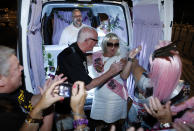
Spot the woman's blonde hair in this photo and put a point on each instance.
(107, 37)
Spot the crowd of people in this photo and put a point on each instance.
(161, 100)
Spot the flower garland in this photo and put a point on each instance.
(114, 23)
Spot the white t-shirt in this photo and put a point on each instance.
(69, 35)
(106, 104)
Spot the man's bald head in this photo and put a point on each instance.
(87, 39)
(86, 33)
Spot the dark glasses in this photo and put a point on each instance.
(109, 44)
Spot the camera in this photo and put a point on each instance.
(65, 90)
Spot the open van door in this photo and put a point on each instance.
(41, 24)
(29, 43)
(42, 21)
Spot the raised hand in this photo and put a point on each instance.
(134, 52)
(78, 97)
(50, 95)
(116, 67)
(159, 111)
(50, 81)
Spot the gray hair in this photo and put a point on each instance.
(107, 37)
(5, 54)
(85, 33)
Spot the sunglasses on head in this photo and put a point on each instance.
(109, 44)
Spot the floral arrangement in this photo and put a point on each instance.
(50, 63)
(114, 23)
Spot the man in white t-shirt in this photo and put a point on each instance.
(69, 34)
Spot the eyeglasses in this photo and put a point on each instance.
(93, 39)
(76, 16)
(109, 44)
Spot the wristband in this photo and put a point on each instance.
(79, 122)
(29, 119)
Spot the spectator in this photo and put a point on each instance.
(111, 95)
(15, 99)
(162, 81)
(164, 114)
(49, 97)
(69, 34)
(12, 116)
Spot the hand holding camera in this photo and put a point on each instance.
(78, 97)
(78, 94)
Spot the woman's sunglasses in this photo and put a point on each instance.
(109, 44)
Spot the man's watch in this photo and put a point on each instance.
(29, 119)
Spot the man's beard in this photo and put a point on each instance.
(77, 23)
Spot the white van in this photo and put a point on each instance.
(42, 21)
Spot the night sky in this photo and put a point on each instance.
(183, 14)
(11, 4)
(183, 10)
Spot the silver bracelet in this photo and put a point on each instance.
(83, 129)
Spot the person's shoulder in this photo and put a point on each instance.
(66, 52)
(83, 25)
(63, 52)
(67, 28)
(70, 26)
(97, 52)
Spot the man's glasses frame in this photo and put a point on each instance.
(93, 39)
